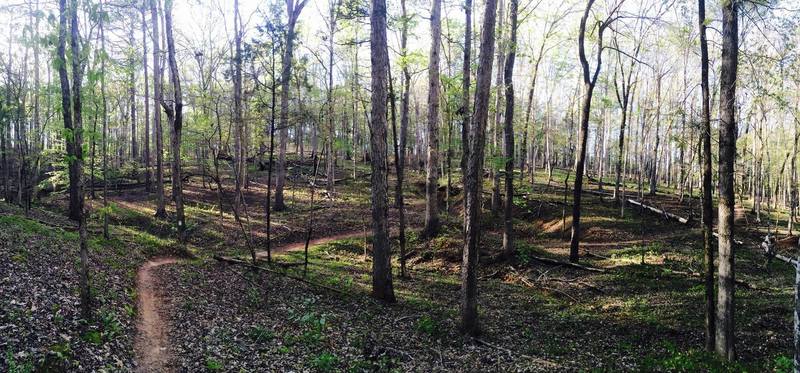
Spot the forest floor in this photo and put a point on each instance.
(639, 307)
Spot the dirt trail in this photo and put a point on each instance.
(152, 341)
(317, 241)
(152, 354)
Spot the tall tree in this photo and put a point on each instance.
(158, 96)
(400, 149)
(727, 157)
(623, 88)
(104, 99)
(146, 149)
(241, 153)
(708, 218)
(508, 130)
(330, 161)
(589, 81)
(293, 9)
(466, 71)
(174, 111)
(536, 61)
(474, 177)
(132, 90)
(382, 287)
(493, 172)
(431, 228)
(73, 124)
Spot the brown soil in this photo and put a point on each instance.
(152, 353)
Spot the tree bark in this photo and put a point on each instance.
(382, 287)
(707, 214)
(465, 87)
(494, 173)
(105, 126)
(508, 79)
(431, 228)
(474, 177)
(727, 157)
(146, 149)
(73, 125)
(400, 149)
(293, 11)
(158, 96)
(589, 80)
(240, 158)
(330, 161)
(175, 118)
(132, 95)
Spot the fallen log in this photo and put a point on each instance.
(300, 279)
(660, 211)
(786, 259)
(568, 264)
(738, 242)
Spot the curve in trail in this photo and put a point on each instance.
(152, 354)
(317, 241)
(152, 340)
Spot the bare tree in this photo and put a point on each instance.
(550, 30)
(623, 88)
(474, 177)
(589, 81)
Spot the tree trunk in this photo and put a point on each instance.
(240, 158)
(708, 223)
(293, 11)
(158, 96)
(431, 228)
(330, 161)
(465, 87)
(508, 79)
(493, 171)
(146, 150)
(727, 156)
(589, 81)
(73, 124)
(105, 126)
(132, 95)
(400, 149)
(382, 287)
(175, 118)
(474, 177)
(654, 162)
